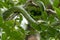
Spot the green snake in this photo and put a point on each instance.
(18, 9)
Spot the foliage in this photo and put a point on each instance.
(11, 30)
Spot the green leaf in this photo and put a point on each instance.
(4, 36)
(1, 19)
(52, 32)
(56, 3)
(22, 1)
(46, 2)
(8, 26)
(44, 35)
(16, 35)
(21, 18)
(51, 18)
(44, 15)
(44, 27)
(57, 12)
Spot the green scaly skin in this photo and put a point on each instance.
(17, 9)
